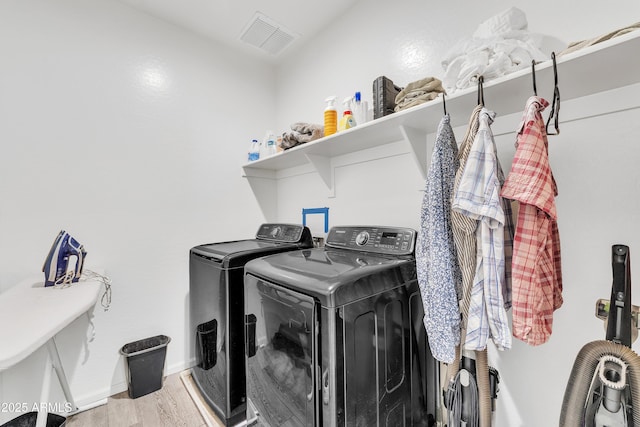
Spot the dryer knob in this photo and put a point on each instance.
(362, 238)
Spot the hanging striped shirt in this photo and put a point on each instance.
(478, 197)
(464, 228)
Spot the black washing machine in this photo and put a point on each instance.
(334, 336)
(216, 312)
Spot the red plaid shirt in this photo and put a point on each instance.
(536, 270)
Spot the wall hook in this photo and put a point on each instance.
(480, 90)
(533, 76)
(555, 105)
(444, 103)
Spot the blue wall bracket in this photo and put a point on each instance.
(315, 211)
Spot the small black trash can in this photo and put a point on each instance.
(145, 362)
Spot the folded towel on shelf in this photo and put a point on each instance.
(585, 43)
(499, 46)
(301, 133)
(418, 92)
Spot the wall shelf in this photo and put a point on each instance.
(605, 66)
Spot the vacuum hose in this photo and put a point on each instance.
(584, 368)
(484, 390)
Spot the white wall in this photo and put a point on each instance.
(593, 161)
(128, 133)
(140, 170)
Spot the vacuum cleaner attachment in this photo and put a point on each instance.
(471, 395)
(604, 385)
(64, 263)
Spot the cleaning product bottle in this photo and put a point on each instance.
(330, 116)
(359, 109)
(347, 121)
(254, 150)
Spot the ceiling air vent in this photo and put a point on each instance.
(267, 35)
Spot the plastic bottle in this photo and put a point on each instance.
(254, 150)
(359, 109)
(347, 121)
(330, 116)
(268, 146)
(271, 144)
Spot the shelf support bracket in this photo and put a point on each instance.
(322, 165)
(265, 189)
(417, 141)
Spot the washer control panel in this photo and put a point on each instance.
(280, 232)
(382, 240)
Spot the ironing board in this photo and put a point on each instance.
(31, 316)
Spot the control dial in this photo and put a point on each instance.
(275, 232)
(362, 238)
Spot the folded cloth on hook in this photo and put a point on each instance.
(301, 133)
(499, 46)
(418, 92)
(585, 43)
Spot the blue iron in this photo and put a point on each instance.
(64, 262)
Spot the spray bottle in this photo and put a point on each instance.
(347, 121)
(330, 116)
(359, 109)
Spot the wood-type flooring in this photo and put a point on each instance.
(172, 405)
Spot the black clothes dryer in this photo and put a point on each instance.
(216, 311)
(334, 336)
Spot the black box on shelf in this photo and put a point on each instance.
(384, 96)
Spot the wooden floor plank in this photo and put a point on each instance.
(121, 411)
(96, 417)
(207, 413)
(184, 405)
(170, 406)
(147, 407)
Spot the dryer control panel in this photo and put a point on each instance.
(289, 233)
(382, 240)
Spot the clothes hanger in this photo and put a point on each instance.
(555, 105)
(533, 76)
(480, 91)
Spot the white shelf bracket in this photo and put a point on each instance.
(265, 189)
(417, 141)
(322, 165)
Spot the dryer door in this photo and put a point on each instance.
(280, 353)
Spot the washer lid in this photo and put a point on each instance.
(335, 277)
(223, 249)
(237, 253)
(270, 238)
